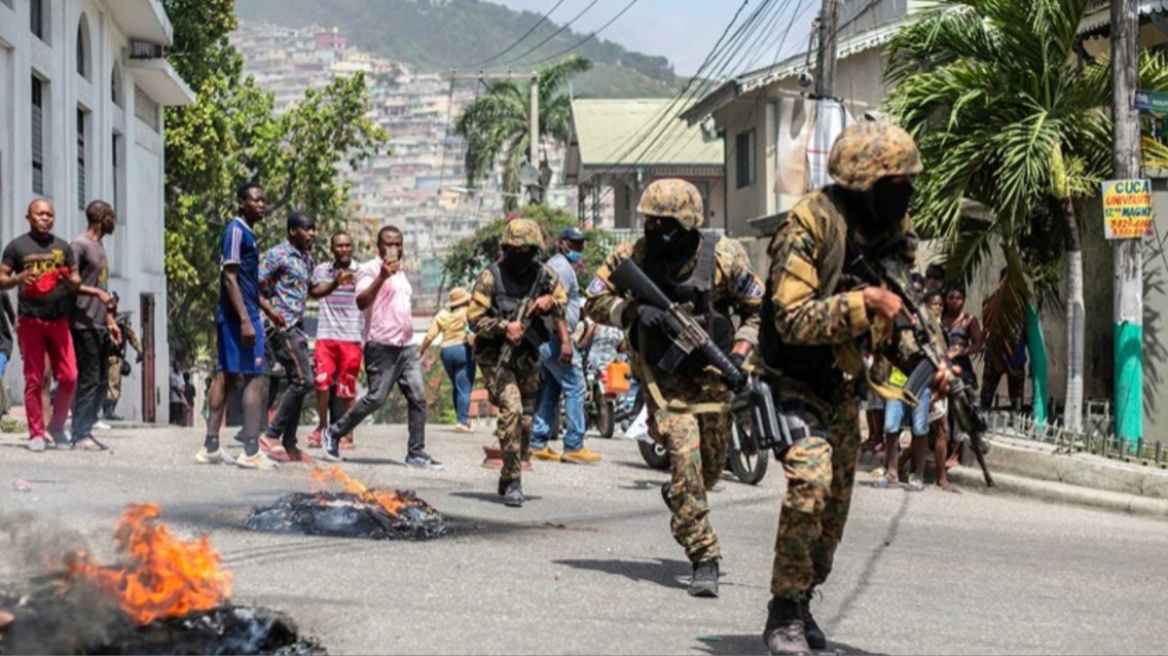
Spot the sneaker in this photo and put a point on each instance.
(463, 428)
(314, 439)
(205, 457)
(258, 461)
(546, 453)
(583, 456)
(60, 439)
(424, 461)
(37, 444)
(513, 497)
(916, 483)
(705, 579)
(101, 425)
(331, 446)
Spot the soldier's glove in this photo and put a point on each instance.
(655, 320)
(139, 360)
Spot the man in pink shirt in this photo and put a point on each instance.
(383, 293)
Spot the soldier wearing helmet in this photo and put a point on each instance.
(687, 401)
(499, 294)
(820, 307)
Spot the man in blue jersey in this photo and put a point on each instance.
(240, 335)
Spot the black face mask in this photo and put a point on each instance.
(888, 202)
(519, 263)
(669, 241)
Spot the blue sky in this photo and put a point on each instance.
(684, 31)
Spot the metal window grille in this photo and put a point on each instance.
(38, 138)
(81, 191)
(744, 158)
(145, 108)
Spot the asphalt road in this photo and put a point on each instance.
(588, 565)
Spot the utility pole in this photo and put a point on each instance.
(532, 116)
(1129, 264)
(825, 64)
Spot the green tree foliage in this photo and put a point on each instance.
(441, 35)
(467, 259)
(1010, 112)
(231, 135)
(497, 123)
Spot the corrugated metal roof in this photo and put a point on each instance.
(1101, 16)
(641, 132)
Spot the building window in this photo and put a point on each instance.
(38, 19)
(145, 108)
(745, 158)
(82, 148)
(116, 94)
(38, 137)
(83, 47)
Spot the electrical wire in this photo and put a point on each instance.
(553, 35)
(588, 38)
(533, 28)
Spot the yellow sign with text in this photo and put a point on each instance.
(1127, 209)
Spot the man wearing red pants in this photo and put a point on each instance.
(44, 269)
(338, 334)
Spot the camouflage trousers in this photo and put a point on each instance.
(697, 456)
(820, 471)
(514, 390)
(114, 389)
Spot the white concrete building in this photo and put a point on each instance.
(82, 87)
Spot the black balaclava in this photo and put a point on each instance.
(881, 208)
(519, 263)
(670, 242)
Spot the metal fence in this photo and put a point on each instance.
(1097, 437)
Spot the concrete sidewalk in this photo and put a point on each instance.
(1035, 470)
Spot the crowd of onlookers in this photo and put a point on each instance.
(72, 338)
(930, 424)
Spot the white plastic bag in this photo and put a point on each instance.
(639, 429)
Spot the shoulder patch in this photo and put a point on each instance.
(596, 287)
(748, 285)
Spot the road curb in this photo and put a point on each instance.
(969, 479)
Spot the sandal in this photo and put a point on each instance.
(88, 443)
(274, 451)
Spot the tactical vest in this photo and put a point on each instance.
(696, 291)
(509, 296)
(819, 369)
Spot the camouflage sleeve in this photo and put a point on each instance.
(745, 290)
(604, 305)
(477, 315)
(801, 317)
(132, 337)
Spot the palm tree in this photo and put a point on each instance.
(1010, 112)
(496, 123)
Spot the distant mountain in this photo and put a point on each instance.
(438, 35)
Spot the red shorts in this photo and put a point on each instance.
(340, 361)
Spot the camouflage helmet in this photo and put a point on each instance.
(674, 198)
(870, 150)
(522, 232)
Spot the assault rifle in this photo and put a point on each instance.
(524, 318)
(960, 397)
(768, 429)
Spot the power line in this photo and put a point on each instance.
(553, 35)
(587, 38)
(541, 21)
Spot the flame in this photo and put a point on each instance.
(164, 576)
(388, 501)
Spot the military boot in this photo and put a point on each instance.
(784, 633)
(815, 636)
(705, 579)
(514, 496)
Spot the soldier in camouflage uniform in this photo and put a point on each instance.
(688, 407)
(821, 309)
(117, 362)
(514, 386)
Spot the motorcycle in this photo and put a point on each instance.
(743, 458)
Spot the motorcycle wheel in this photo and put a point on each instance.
(750, 468)
(605, 416)
(654, 454)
